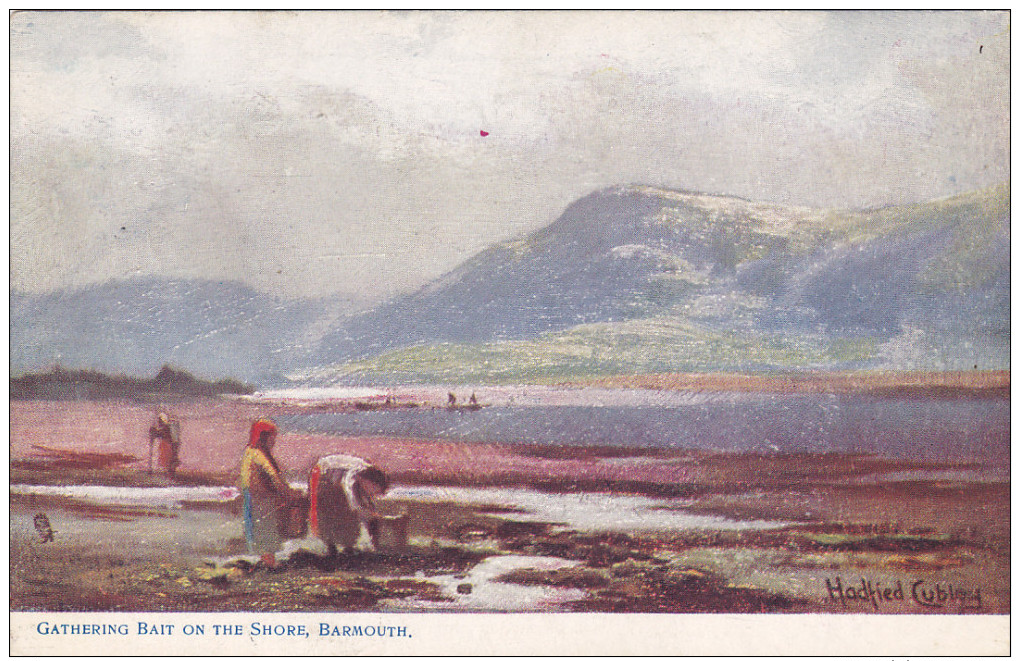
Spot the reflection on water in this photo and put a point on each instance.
(587, 512)
(168, 497)
(486, 593)
(578, 511)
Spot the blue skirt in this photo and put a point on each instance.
(261, 522)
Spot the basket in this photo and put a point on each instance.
(293, 522)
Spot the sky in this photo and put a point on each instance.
(364, 154)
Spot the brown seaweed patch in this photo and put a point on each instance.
(516, 529)
(750, 469)
(635, 487)
(439, 560)
(87, 510)
(565, 577)
(648, 587)
(595, 550)
(402, 588)
(883, 542)
(47, 458)
(927, 561)
(477, 530)
(589, 452)
(471, 532)
(499, 509)
(45, 473)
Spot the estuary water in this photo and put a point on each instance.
(928, 428)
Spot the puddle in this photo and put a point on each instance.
(592, 512)
(586, 512)
(488, 594)
(167, 497)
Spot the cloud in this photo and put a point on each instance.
(312, 153)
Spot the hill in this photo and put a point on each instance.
(133, 326)
(644, 280)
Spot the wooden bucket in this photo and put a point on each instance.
(392, 533)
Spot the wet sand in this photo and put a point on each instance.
(502, 528)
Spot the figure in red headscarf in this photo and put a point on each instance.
(267, 497)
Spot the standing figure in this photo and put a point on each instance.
(168, 431)
(342, 489)
(267, 497)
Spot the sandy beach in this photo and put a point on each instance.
(498, 527)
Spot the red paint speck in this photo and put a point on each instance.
(483, 133)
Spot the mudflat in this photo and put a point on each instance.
(497, 527)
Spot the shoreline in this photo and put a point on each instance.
(995, 383)
(548, 476)
(990, 382)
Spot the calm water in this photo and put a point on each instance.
(967, 428)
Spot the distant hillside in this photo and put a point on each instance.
(211, 328)
(63, 384)
(642, 280)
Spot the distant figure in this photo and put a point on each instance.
(342, 489)
(168, 431)
(451, 399)
(267, 497)
(473, 401)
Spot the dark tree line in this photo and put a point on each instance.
(60, 383)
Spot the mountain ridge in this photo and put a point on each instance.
(800, 287)
(629, 279)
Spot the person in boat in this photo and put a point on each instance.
(342, 489)
(267, 497)
(473, 401)
(167, 430)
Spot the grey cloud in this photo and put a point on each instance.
(304, 176)
(62, 40)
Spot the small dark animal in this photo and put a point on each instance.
(42, 526)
